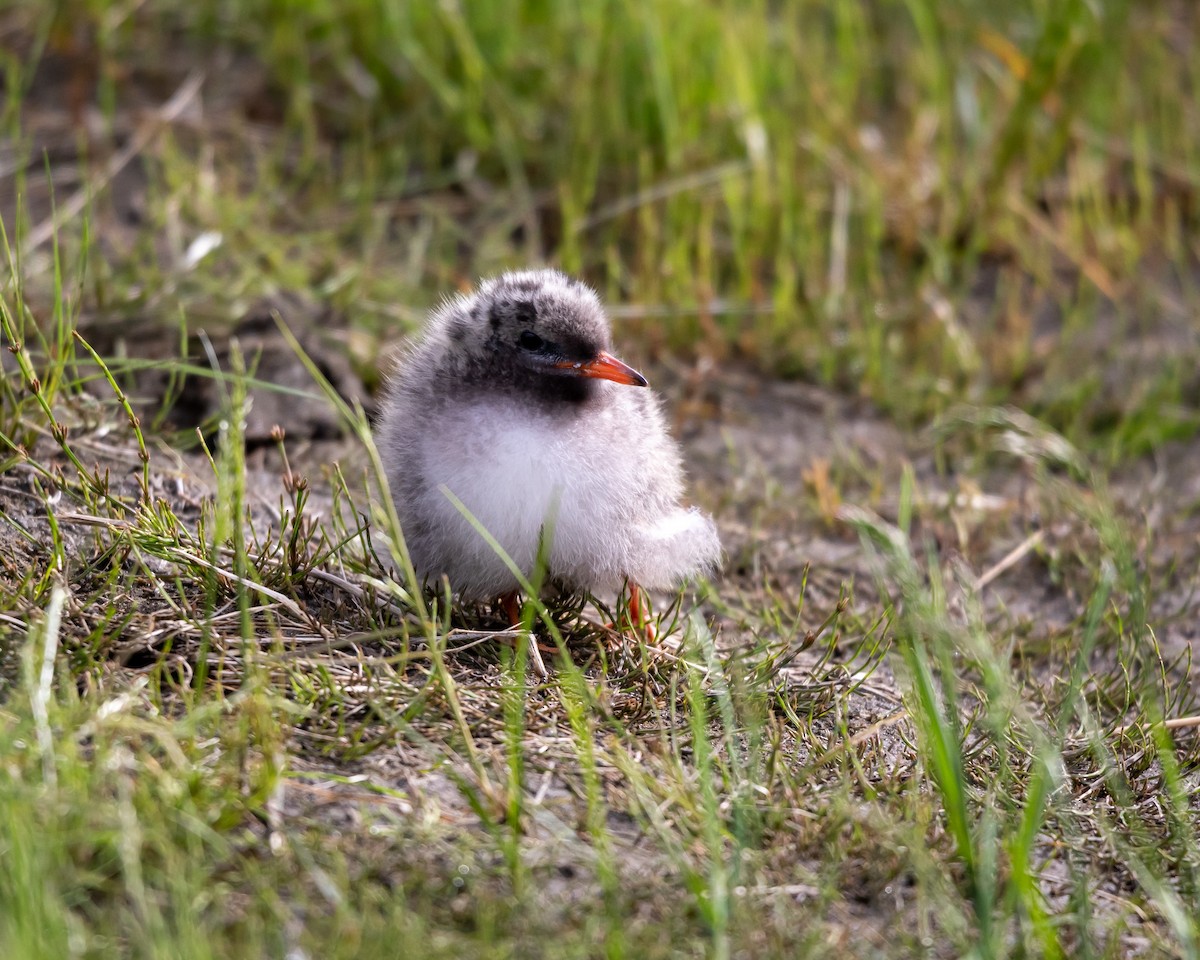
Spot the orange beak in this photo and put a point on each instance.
(604, 367)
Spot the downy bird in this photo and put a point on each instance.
(512, 403)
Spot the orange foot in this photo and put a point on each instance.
(639, 615)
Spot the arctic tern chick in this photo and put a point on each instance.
(512, 402)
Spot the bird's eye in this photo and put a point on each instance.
(530, 341)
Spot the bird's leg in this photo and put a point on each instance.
(511, 606)
(639, 618)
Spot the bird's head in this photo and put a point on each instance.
(535, 330)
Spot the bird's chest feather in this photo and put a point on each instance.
(517, 472)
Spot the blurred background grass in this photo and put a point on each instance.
(922, 202)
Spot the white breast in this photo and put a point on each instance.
(605, 499)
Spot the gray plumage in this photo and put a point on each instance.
(511, 401)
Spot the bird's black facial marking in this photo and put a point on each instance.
(525, 312)
(556, 392)
(494, 317)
